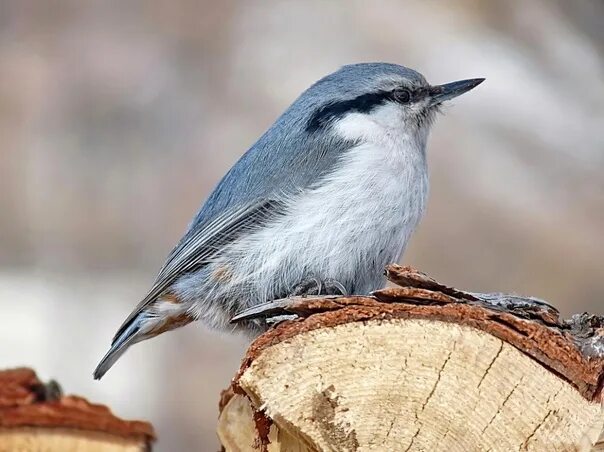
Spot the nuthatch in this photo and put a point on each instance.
(328, 196)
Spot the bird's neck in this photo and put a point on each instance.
(395, 143)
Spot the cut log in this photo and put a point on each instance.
(37, 417)
(419, 367)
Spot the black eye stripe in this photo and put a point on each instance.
(364, 103)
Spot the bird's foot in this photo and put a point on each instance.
(289, 308)
(315, 286)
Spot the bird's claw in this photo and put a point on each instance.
(288, 308)
(334, 287)
(316, 286)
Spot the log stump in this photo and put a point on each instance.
(37, 417)
(419, 367)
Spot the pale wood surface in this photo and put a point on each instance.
(65, 440)
(237, 430)
(419, 368)
(416, 385)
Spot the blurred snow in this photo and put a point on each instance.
(63, 324)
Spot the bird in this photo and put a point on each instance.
(326, 198)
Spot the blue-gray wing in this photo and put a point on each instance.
(199, 245)
(287, 159)
(284, 162)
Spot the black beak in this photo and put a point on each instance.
(441, 93)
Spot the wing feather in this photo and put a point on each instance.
(199, 246)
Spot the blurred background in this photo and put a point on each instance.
(118, 118)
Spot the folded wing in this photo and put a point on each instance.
(199, 246)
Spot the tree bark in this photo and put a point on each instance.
(419, 367)
(36, 417)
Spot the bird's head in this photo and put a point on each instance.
(389, 96)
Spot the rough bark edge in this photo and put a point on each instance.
(573, 349)
(26, 402)
(262, 422)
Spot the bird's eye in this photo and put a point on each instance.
(402, 95)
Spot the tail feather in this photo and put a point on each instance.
(119, 345)
(164, 315)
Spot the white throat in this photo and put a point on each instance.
(363, 213)
(387, 127)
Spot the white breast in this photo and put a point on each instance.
(358, 220)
